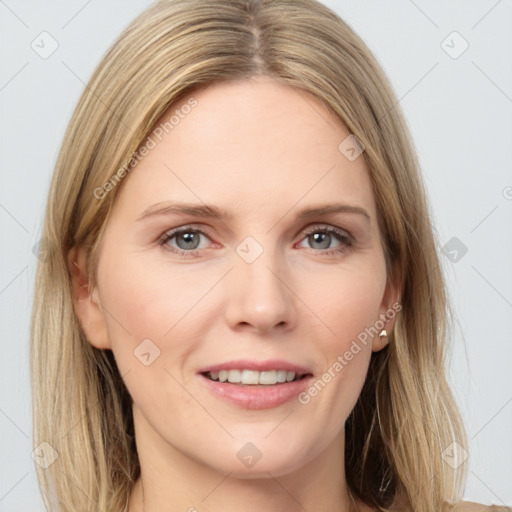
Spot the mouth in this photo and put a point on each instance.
(248, 384)
(246, 377)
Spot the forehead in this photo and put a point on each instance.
(248, 144)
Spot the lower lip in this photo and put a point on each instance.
(257, 396)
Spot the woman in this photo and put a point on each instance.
(243, 307)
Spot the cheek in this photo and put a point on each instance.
(357, 307)
(144, 300)
(347, 300)
(155, 315)
(145, 309)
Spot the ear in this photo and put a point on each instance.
(389, 309)
(86, 301)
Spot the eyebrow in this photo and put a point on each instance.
(209, 211)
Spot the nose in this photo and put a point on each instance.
(260, 296)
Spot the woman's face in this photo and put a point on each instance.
(254, 284)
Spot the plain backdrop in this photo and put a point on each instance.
(458, 105)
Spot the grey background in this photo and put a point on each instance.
(458, 109)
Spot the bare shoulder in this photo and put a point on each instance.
(467, 506)
(461, 506)
(470, 506)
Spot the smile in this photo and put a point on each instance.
(253, 377)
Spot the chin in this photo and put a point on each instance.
(263, 470)
(260, 459)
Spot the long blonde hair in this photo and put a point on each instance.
(406, 416)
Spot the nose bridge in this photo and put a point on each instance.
(259, 295)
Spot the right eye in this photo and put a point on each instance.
(186, 240)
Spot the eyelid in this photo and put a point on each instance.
(304, 230)
(343, 234)
(319, 226)
(200, 228)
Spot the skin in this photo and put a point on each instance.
(262, 151)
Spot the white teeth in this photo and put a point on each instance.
(281, 376)
(253, 377)
(234, 376)
(249, 376)
(269, 377)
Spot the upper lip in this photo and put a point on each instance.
(261, 366)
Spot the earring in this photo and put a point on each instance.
(383, 333)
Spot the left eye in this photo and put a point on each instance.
(186, 241)
(324, 236)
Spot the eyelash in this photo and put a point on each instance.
(343, 237)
